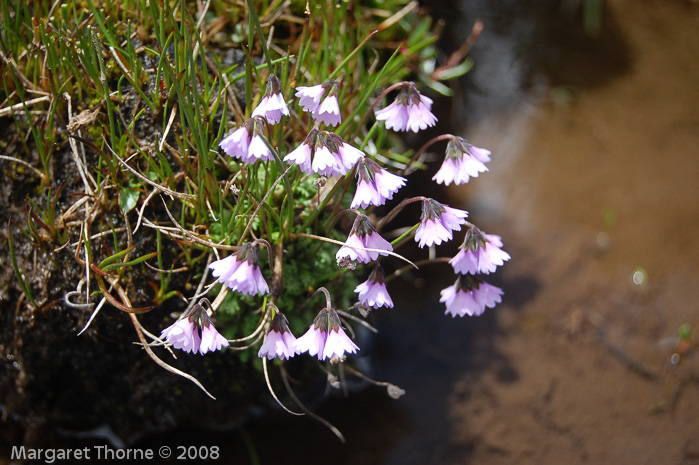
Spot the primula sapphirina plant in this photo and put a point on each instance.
(293, 177)
(331, 164)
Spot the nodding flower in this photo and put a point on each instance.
(247, 142)
(410, 111)
(373, 292)
(279, 341)
(272, 106)
(375, 185)
(480, 253)
(437, 223)
(324, 153)
(241, 271)
(184, 333)
(325, 338)
(362, 236)
(327, 111)
(462, 162)
(470, 296)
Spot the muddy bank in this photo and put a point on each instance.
(595, 193)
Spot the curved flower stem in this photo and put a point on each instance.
(393, 390)
(328, 301)
(319, 419)
(378, 99)
(271, 391)
(397, 210)
(257, 331)
(427, 144)
(340, 213)
(357, 320)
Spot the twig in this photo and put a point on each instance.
(194, 237)
(269, 386)
(333, 241)
(19, 106)
(36, 171)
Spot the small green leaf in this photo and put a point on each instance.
(135, 261)
(439, 87)
(128, 198)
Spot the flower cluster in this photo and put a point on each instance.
(325, 338)
(326, 154)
